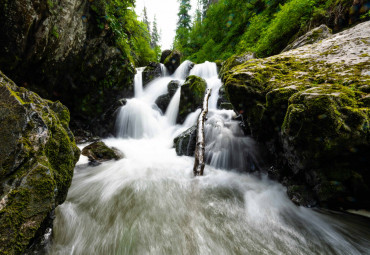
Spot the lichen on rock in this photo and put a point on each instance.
(37, 157)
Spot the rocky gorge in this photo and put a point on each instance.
(301, 117)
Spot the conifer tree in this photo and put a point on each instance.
(183, 25)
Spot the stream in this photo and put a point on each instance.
(150, 203)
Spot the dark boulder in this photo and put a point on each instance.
(164, 55)
(192, 95)
(164, 100)
(37, 157)
(151, 72)
(172, 61)
(99, 152)
(185, 143)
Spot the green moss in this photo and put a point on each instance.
(54, 32)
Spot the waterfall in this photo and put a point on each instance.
(138, 81)
(173, 108)
(150, 203)
(183, 70)
(164, 70)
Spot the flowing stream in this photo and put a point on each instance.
(150, 203)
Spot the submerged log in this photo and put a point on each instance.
(200, 146)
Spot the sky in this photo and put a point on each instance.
(166, 13)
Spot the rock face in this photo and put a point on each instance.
(315, 35)
(309, 107)
(99, 152)
(151, 72)
(172, 61)
(191, 98)
(186, 142)
(37, 158)
(77, 59)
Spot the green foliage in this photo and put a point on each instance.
(261, 26)
(131, 36)
(286, 23)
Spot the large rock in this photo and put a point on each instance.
(172, 61)
(192, 95)
(37, 158)
(313, 36)
(151, 72)
(71, 44)
(308, 106)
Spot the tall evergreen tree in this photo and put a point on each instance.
(183, 25)
(145, 19)
(155, 38)
(155, 34)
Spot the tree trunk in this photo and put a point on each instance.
(200, 146)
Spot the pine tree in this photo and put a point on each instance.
(155, 34)
(183, 25)
(146, 20)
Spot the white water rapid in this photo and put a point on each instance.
(150, 203)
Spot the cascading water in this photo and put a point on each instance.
(150, 203)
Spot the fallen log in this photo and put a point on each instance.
(200, 145)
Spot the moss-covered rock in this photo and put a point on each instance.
(77, 57)
(192, 95)
(100, 152)
(309, 108)
(151, 72)
(172, 61)
(37, 158)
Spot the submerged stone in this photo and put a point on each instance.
(100, 152)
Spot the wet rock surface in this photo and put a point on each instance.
(191, 98)
(151, 72)
(99, 152)
(185, 143)
(37, 157)
(308, 107)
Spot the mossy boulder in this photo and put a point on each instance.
(164, 55)
(37, 157)
(151, 72)
(235, 60)
(99, 152)
(192, 95)
(185, 143)
(308, 107)
(172, 61)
